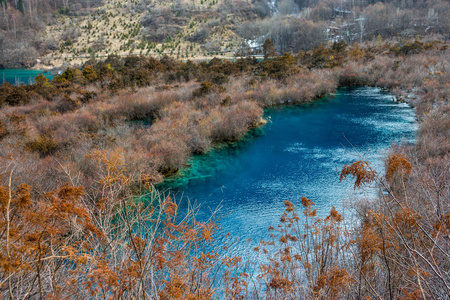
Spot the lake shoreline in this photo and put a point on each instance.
(264, 121)
(22, 76)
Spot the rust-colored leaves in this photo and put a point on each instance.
(359, 170)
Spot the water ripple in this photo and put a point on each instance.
(299, 153)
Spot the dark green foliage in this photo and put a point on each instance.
(339, 46)
(20, 6)
(188, 70)
(87, 96)
(14, 95)
(45, 145)
(133, 62)
(89, 73)
(408, 48)
(277, 67)
(68, 75)
(205, 88)
(246, 64)
(41, 80)
(217, 70)
(269, 49)
(325, 57)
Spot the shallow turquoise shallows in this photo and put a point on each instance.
(19, 76)
(300, 152)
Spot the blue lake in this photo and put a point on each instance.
(299, 152)
(19, 76)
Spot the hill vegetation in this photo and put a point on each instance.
(63, 33)
(78, 151)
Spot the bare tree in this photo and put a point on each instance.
(287, 7)
(362, 26)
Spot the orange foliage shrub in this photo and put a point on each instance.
(361, 171)
(398, 164)
(35, 243)
(73, 240)
(305, 257)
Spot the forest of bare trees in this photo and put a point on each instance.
(292, 25)
(22, 23)
(302, 25)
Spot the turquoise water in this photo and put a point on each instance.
(19, 76)
(300, 152)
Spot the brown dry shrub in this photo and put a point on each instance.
(434, 133)
(230, 124)
(353, 75)
(169, 153)
(265, 92)
(185, 122)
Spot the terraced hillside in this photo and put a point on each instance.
(60, 33)
(184, 29)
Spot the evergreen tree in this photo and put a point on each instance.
(20, 6)
(269, 49)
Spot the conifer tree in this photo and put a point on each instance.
(20, 6)
(269, 49)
